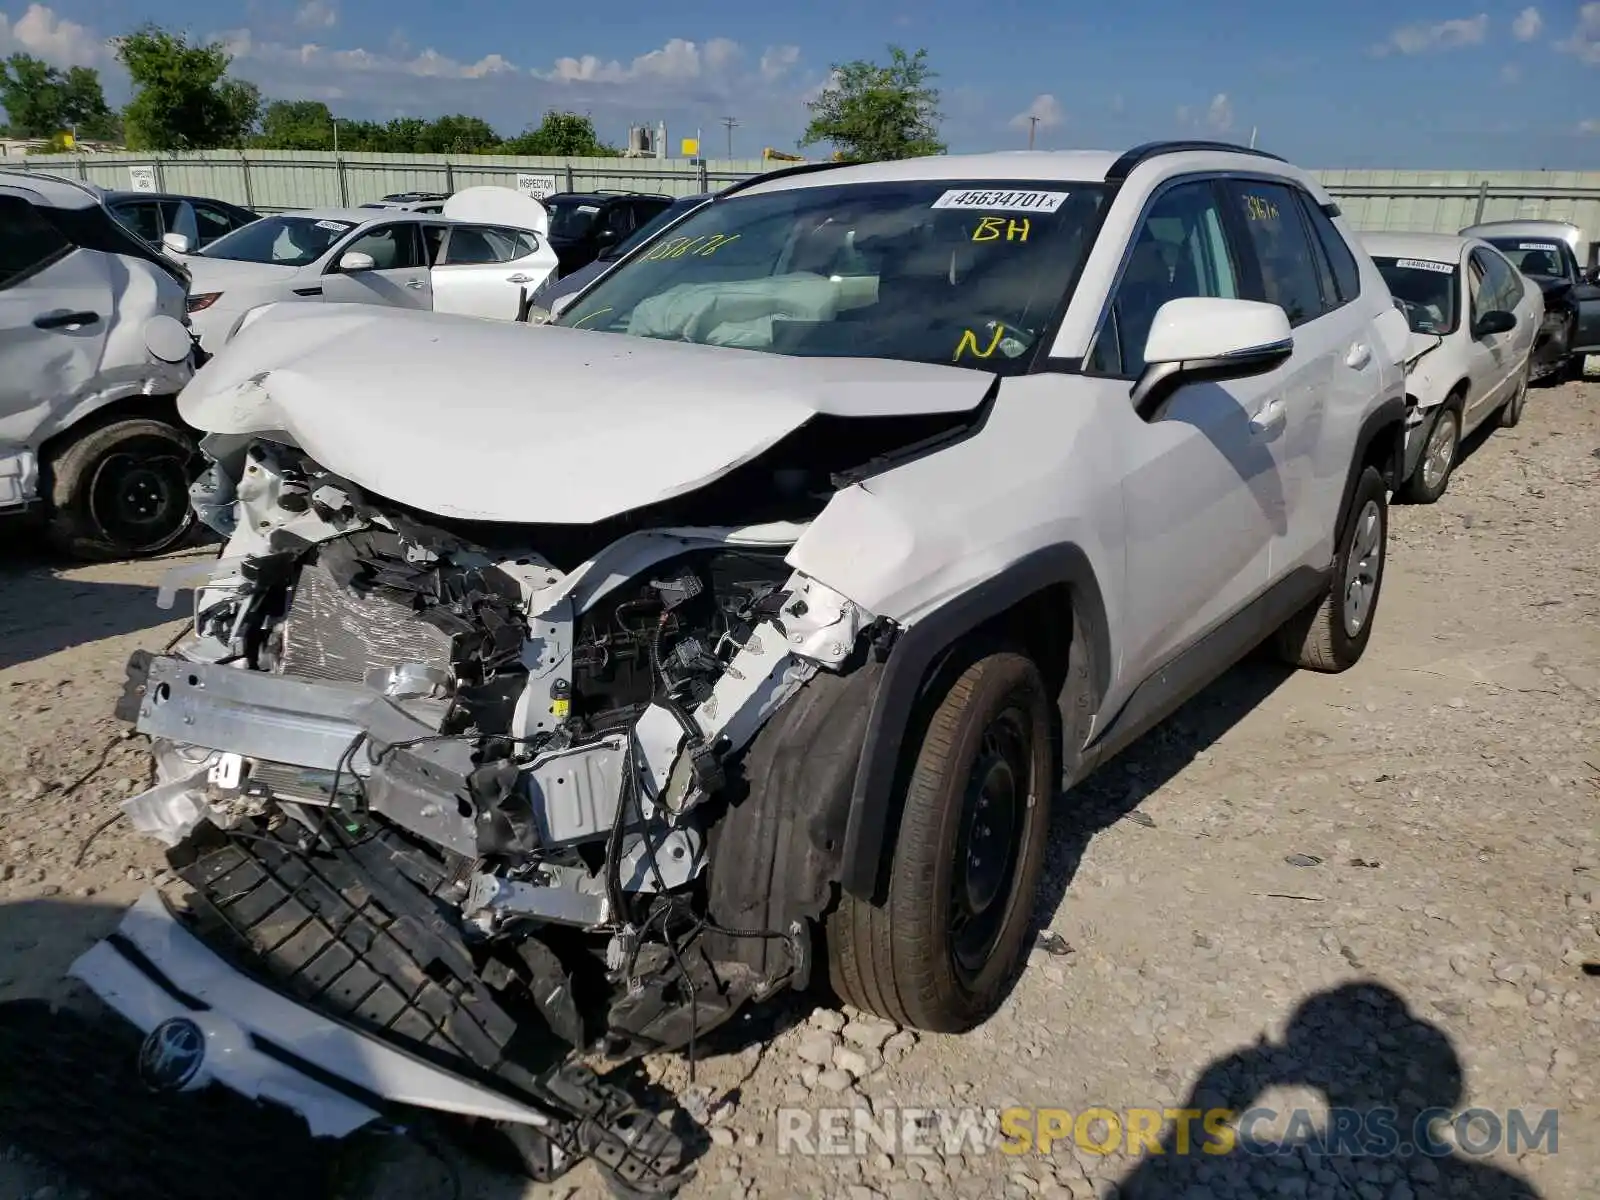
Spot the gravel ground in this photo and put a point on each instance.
(1374, 889)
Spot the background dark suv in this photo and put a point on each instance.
(582, 224)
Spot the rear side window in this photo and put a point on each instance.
(28, 243)
(1270, 216)
(1346, 274)
(479, 244)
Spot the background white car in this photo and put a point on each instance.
(1473, 320)
(93, 351)
(473, 259)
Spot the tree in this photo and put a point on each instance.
(41, 102)
(297, 125)
(182, 97)
(869, 112)
(459, 134)
(562, 133)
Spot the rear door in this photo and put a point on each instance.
(55, 311)
(483, 270)
(399, 276)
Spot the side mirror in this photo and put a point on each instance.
(178, 243)
(355, 260)
(561, 303)
(1495, 321)
(1199, 339)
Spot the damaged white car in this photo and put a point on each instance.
(567, 688)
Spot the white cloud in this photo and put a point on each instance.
(58, 41)
(1527, 25)
(778, 61)
(1217, 117)
(1045, 108)
(317, 14)
(1592, 125)
(1420, 38)
(1584, 41)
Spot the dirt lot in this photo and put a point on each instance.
(1376, 889)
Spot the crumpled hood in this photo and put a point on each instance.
(493, 420)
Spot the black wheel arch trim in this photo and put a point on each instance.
(912, 663)
(1388, 419)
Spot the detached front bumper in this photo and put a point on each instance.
(257, 1042)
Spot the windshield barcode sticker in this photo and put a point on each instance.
(1545, 246)
(336, 226)
(1005, 201)
(1422, 264)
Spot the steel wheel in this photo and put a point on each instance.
(992, 819)
(1362, 568)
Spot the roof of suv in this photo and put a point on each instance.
(1055, 166)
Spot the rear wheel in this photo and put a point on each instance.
(1511, 411)
(943, 949)
(122, 490)
(1332, 632)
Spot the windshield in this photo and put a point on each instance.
(286, 241)
(921, 271)
(1532, 256)
(652, 227)
(570, 219)
(1426, 290)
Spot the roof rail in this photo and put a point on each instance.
(1124, 166)
(781, 173)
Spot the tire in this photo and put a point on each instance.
(1319, 638)
(1439, 454)
(987, 742)
(122, 490)
(1510, 413)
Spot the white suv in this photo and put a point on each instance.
(743, 624)
(94, 348)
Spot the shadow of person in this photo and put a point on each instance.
(1392, 1083)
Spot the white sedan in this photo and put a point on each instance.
(1473, 319)
(474, 259)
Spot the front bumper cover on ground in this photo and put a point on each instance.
(262, 1044)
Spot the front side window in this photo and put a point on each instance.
(1480, 296)
(285, 241)
(1180, 251)
(917, 270)
(392, 247)
(1426, 289)
(571, 219)
(28, 243)
(1270, 216)
(1533, 256)
(1503, 279)
(213, 223)
(144, 218)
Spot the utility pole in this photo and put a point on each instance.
(335, 134)
(732, 125)
(1033, 123)
(1252, 137)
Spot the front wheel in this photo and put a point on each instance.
(947, 943)
(1432, 475)
(122, 490)
(1331, 633)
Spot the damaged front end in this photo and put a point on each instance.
(463, 798)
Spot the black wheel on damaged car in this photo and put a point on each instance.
(1440, 450)
(1331, 633)
(944, 947)
(122, 490)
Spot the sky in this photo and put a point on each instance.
(1359, 83)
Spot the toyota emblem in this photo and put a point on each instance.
(171, 1055)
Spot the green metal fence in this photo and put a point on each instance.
(273, 180)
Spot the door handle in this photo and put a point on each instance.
(1360, 355)
(1268, 417)
(413, 283)
(64, 320)
(519, 277)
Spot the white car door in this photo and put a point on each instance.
(483, 269)
(399, 274)
(55, 311)
(1489, 356)
(1202, 492)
